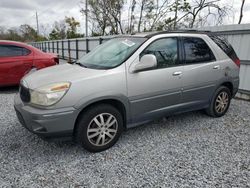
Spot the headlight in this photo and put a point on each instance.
(50, 94)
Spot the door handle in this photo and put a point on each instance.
(216, 67)
(178, 73)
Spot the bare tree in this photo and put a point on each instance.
(179, 6)
(142, 5)
(107, 14)
(207, 8)
(156, 10)
(153, 14)
(98, 15)
(114, 8)
(241, 11)
(132, 16)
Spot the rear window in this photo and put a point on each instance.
(225, 46)
(13, 51)
(197, 51)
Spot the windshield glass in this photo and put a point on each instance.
(111, 54)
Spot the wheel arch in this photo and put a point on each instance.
(229, 85)
(118, 104)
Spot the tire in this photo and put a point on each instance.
(99, 127)
(216, 108)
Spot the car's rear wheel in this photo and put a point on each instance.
(220, 102)
(99, 127)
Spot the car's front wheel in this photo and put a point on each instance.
(220, 102)
(99, 127)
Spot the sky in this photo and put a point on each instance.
(13, 13)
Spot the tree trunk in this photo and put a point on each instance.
(176, 13)
(241, 11)
(140, 18)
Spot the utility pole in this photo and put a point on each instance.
(86, 16)
(37, 24)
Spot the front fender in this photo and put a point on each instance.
(97, 97)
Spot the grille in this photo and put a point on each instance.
(24, 94)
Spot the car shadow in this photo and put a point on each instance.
(129, 135)
(9, 89)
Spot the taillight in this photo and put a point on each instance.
(237, 62)
(235, 58)
(56, 60)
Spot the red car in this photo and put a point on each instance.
(18, 59)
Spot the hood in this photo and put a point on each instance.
(60, 73)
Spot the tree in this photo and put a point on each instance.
(132, 17)
(155, 11)
(179, 6)
(11, 34)
(97, 15)
(58, 31)
(2, 30)
(72, 28)
(66, 28)
(115, 7)
(153, 15)
(142, 5)
(107, 14)
(241, 11)
(200, 10)
(28, 33)
(24, 33)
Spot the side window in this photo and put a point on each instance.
(225, 46)
(26, 51)
(165, 50)
(197, 51)
(13, 51)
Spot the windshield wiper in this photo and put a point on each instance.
(77, 63)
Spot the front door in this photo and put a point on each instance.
(154, 92)
(15, 62)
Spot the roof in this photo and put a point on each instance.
(155, 33)
(20, 44)
(12, 42)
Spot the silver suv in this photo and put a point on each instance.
(128, 81)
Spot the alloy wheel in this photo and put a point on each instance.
(221, 102)
(102, 129)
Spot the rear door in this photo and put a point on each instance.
(201, 72)
(15, 62)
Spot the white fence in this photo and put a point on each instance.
(71, 48)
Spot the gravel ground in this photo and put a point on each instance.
(188, 150)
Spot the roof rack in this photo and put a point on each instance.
(180, 31)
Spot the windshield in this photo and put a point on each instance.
(111, 54)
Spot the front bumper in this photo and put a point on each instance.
(46, 122)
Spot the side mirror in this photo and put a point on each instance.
(147, 61)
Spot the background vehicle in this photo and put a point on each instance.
(18, 59)
(128, 81)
